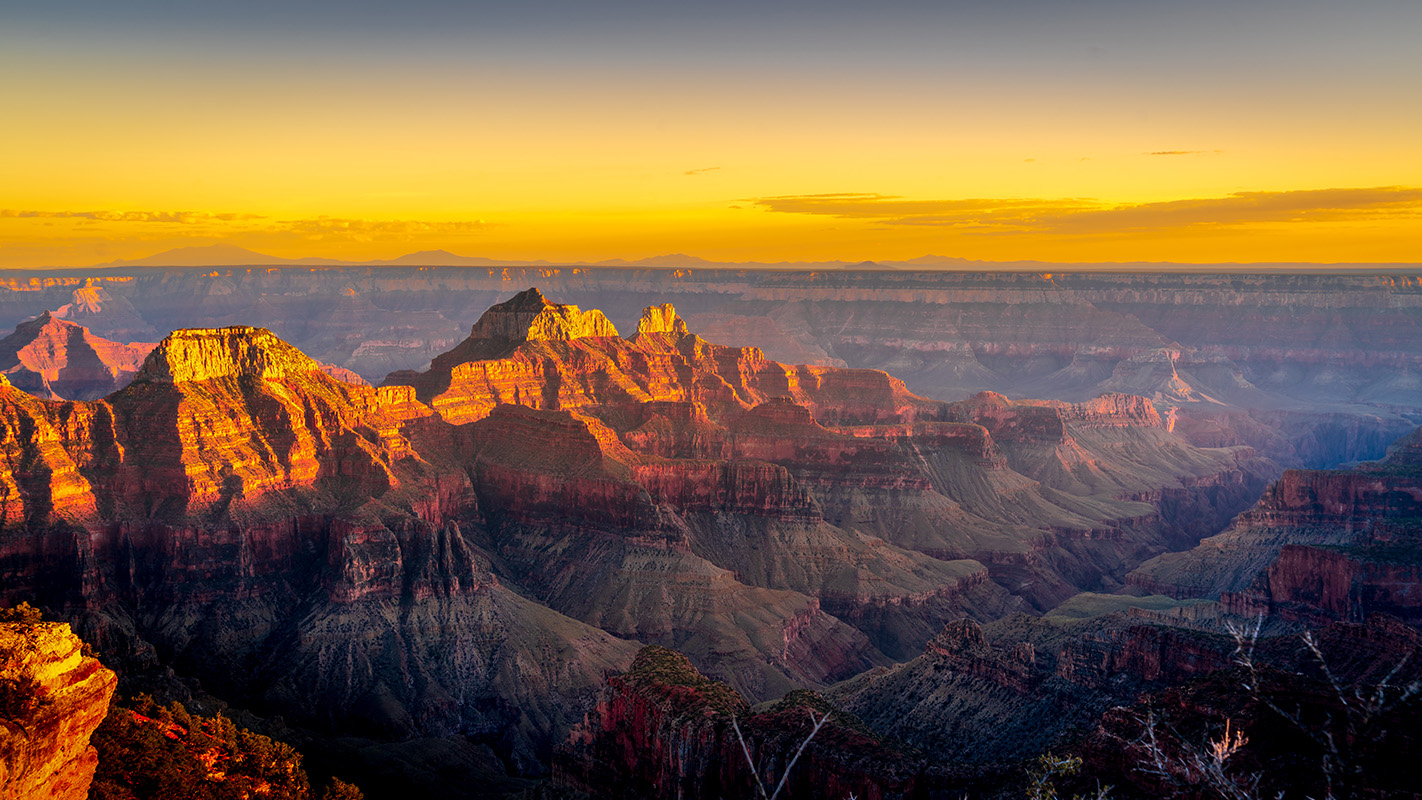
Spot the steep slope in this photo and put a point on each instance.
(829, 482)
(1016, 687)
(112, 314)
(53, 695)
(662, 729)
(56, 359)
(1334, 544)
(238, 514)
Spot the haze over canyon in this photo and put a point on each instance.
(547, 531)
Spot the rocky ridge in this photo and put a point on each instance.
(1320, 545)
(53, 695)
(53, 358)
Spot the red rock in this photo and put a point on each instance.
(53, 358)
(664, 730)
(45, 752)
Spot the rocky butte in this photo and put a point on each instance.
(56, 359)
(466, 551)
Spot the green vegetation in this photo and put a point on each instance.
(1091, 604)
(804, 698)
(24, 613)
(153, 752)
(656, 664)
(19, 694)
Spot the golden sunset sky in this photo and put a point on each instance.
(1207, 131)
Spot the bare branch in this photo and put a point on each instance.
(819, 723)
(760, 786)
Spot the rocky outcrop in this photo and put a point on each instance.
(53, 695)
(664, 730)
(464, 550)
(53, 358)
(202, 354)
(529, 316)
(1334, 544)
(1315, 585)
(661, 320)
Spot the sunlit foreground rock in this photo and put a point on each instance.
(52, 697)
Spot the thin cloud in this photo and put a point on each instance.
(883, 206)
(972, 213)
(370, 229)
(1084, 216)
(701, 171)
(1182, 152)
(1245, 208)
(204, 224)
(171, 217)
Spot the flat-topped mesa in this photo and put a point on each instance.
(198, 354)
(1114, 409)
(661, 319)
(529, 316)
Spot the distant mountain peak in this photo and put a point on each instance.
(670, 260)
(213, 255)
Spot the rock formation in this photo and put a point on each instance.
(664, 730)
(529, 316)
(1318, 546)
(467, 549)
(53, 358)
(52, 697)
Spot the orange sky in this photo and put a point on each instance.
(1119, 137)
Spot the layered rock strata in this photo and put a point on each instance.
(54, 358)
(423, 558)
(52, 697)
(1318, 546)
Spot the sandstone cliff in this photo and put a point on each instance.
(1319, 545)
(52, 698)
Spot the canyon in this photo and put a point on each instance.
(467, 551)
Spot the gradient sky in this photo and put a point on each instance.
(1105, 130)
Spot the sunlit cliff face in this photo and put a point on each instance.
(1093, 131)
